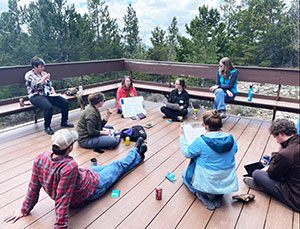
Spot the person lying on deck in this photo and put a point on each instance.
(211, 172)
(281, 179)
(69, 186)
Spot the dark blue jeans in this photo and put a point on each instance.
(47, 104)
(108, 174)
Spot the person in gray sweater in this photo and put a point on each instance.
(92, 129)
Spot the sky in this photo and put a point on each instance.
(150, 13)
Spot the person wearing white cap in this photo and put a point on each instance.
(69, 186)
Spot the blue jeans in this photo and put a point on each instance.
(101, 142)
(108, 174)
(220, 98)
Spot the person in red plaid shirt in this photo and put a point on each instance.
(69, 186)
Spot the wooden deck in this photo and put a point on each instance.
(137, 207)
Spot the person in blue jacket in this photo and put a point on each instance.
(226, 85)
(298, 126)
(211, 171)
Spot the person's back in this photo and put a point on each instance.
(211, 172)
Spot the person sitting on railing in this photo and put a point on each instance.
(126, 90)
(93, 133)
(42, 95)
(211, 172)
(178, 96)
(226, 85)
(69, 186)
(281, 178)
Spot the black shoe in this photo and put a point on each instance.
(139, 142)
(67, 124)
(165, 117)
(49, 131)
(222, 114)
(98, 150)
(143, 150)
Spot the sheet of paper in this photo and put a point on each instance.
(131, 106)
(192, 130)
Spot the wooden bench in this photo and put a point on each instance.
(12, 106)
(261, 101)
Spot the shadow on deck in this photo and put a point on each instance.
(137, 207)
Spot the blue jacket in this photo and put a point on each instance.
(230, 83)
(212, 166)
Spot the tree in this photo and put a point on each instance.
(172, 39)
(131, 33)
(15, 46)
(203, 30)
(159, 50)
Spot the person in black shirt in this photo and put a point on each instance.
(178, 96)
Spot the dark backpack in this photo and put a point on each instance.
(134, 133)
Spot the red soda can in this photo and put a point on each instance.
(21, 102)
(158, 193)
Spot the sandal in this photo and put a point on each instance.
(244, 197)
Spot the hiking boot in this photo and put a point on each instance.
(250, 182)
(49, 131)
(142, 151)
(206, 201)
(222, 114)
(67, 124)
(139, 142)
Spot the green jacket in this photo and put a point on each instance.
(89, 124)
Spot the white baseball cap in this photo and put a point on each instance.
(64, 138)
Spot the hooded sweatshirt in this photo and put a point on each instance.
(212, 166)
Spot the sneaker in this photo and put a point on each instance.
(67, 124)
(180, 118)
(217, 200)
(165, 117)
(49, 131)
(249, 181)
(222, 114)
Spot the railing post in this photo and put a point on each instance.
(169, 79)
(116, 76)
(82, 81)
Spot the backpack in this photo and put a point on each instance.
(134, 133)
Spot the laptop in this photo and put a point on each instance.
(173, 106)
(250, 168)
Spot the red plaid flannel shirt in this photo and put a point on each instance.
(63, 181)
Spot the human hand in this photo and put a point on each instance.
(108, 111)
(131, 94)
(181, 107)
(47, 76)
(105, 132)
(213, 88)
(181, 129)
(14, 216)
(229, 93)
(265, 168)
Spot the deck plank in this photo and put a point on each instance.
(137, 207)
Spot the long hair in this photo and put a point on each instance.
(123, 81)
(182, 82)
(228, 67)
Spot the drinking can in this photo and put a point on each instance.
(158, 193)
(127, 141)
(94, 161)
(21, 102)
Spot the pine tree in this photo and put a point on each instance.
(172, 39)
(131, 37)
(159, 50)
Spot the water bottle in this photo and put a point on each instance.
(195, 111)
(80, 89)
(250, 93)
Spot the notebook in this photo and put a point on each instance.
(192, 131)
(250, 168)
(173, 106)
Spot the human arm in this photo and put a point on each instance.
(94, 124)
(279, 166)
(14, 216)
(231, 83)
(190, 151)
(120, 94)
(65, 187)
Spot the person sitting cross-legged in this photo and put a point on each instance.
(281, 178)
(67, 184)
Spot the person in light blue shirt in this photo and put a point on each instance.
(226, 85)
(211, 171)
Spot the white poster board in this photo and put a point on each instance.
(131, 106)
(192, 131)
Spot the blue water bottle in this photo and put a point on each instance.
(250, 93)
